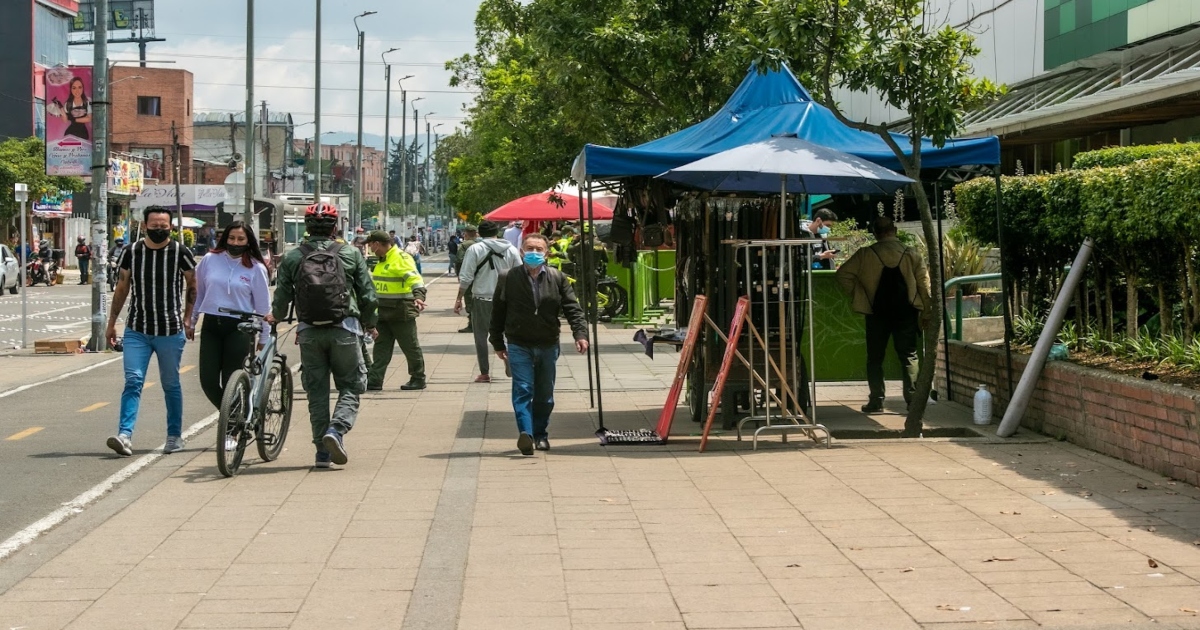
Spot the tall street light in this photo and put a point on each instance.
(425, 176)
(356, 209)
(317, 112)
(248, 211)
(416, 152)
(387, 133)
(21, 195)
(437, 181)
(403, 147)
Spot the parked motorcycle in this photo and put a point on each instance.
(36, 273)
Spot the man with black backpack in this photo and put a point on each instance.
(481, 268)
(330, 285)
(889, 284)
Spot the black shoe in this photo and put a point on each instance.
(542, 444)
(375, 388)
(413, 385)
(525, 444)
(465, 330)
(872, 408)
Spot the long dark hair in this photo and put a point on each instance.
(252, 251)
(82, 90)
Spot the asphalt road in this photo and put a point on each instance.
(52, 436)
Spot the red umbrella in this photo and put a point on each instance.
(541, 207)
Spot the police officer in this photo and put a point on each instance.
(401, 293)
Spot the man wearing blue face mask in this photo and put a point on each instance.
(525, 311)
(822, 220)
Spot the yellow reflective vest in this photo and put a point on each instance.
(397, 284)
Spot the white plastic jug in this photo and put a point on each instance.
(983, 405)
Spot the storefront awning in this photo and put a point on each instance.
(193, 197)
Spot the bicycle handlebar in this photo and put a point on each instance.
(242, 314)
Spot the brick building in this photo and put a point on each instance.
(143, 110)
(339, 174)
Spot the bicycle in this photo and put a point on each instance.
(257, 400)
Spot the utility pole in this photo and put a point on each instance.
(425, 176)
(100, 87)
(265, 139)
(416, 132)
(356, 207)
(248, 212)
(317, 113)
(178, 196)
(387, 137)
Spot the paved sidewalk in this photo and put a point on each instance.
(437, 523)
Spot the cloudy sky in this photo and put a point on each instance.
(209, 39)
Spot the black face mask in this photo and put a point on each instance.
(236, 250)
(158, 236)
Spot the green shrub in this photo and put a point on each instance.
(1123, 156)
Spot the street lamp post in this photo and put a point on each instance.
(437, 180)
(317, 113)
(403, 147)
(387, 134)
(21, 195)
(425, 179)
(248, 211)
(416, 134)
(356, 207)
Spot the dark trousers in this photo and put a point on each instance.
(481, 320)
(83, 270)
(903, 332)
(533, 374)
(222, 350)
(391, 332)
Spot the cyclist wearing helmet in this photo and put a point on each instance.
(330, 285)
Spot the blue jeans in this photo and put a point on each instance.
(533, 373)
(169, 350)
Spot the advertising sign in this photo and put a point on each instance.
(125, 178)
(69, 121)
(56, 206)
(124, 15)
(193, 197)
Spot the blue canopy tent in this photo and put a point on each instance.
(767, 105)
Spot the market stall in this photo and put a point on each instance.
(707, 226)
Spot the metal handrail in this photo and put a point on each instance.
(956, 284)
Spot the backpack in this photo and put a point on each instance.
(487, 260)
(322, 295)
(891, 294)
(413, 248)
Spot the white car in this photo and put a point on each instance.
(10, 270)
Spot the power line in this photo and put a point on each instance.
(328, 115)
(429, 64)
(328, 89)
(329, 39)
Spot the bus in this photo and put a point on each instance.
(290, 222)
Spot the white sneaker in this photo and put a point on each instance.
(173, 445)
(121, 444)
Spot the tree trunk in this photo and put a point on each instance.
(1131, 305)
(1166, 320)
(1109, 316)
(1192, 284)
(1185, 300)
(933, 320)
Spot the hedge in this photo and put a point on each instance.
(1124, 156)
(1144, 217)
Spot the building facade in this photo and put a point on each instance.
(151, 109)
(33, 37)
(338, 173)
(1081, 75)
(222, 137)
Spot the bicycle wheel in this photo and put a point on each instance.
(277, 416)
(231, 424)
(613, 299)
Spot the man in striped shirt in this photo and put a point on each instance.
(157, 276)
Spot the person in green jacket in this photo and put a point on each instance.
(401, 293)
(328, 347)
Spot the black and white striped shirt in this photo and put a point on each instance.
(156, 287)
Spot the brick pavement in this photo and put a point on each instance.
(437, 523)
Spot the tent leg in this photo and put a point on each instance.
(579, 265)
(594, 346)
(1008, 325)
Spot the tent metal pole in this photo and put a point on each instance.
(595, 345)
(937, 208)
(578, 268)
(1008, 325)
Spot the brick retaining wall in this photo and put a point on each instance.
(1145, 423)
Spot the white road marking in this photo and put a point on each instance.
(76, 505)
(17, 390)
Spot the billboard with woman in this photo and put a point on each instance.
(69, 121)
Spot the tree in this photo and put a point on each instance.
(23, 160)
(889, 48)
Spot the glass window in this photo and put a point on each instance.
(149, 106)
(39, 118)
(49, 36)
